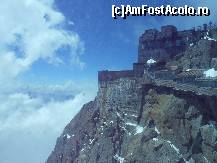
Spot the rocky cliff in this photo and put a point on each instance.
(134, 121)
(145, 120)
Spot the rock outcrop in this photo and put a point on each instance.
(142, 119)
(127, 123)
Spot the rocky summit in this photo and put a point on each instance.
(162, 111)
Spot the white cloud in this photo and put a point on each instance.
(32, 30)
(29, 125)
(71, 23)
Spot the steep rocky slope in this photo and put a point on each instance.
(133, 121)
(143, 119)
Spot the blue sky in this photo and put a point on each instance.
(50, 53)
(108, 43)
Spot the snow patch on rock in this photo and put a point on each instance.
(158, 132)
(151, 61)
(68, 136)
(206, 159)
(139, 129)
(174, 147)
(155, 139)
(118, 158)
(211, 73)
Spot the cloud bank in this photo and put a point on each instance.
(30, 125)
(32, 117)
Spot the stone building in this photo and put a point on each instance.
(160, 46)
(167, 43)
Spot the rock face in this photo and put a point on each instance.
(97, 133)
(145, 119)
(127, 123)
